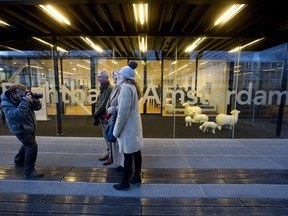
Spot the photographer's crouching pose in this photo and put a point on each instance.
(18, 106)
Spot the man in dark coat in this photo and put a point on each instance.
(100, 111)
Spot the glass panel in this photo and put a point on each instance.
(284, 131)
(77, 82)
(171, 99)
(153, 102)
(212, 82)
(253, 82)
(42, 76)
(260, 89)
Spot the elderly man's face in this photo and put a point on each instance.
(102, 78)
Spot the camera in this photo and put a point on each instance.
(34, 95)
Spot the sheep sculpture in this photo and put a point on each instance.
(231, 120)
(199, 118)
(206, 125)
(188, 121)
(189, 110)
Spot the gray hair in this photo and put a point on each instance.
(104, 74)
(116, 72)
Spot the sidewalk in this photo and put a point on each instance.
(230, 172)
(160, 153)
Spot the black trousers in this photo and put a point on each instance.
(128, 163)
(2, 115)
(27, 153)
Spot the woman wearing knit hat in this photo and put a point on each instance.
(128, 127)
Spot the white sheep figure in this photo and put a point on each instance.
(189, 110)
(231, 120)
(199, 118)
(188, 121)
(209, 124)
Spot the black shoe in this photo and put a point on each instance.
(136, 180)
(104, 158)
(122, 186)
(34, 174)
(119, 169)
(107, 162)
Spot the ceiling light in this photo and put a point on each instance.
(182, 67)
(55, 14)
(142, 40)
(195, 44)
(141, 13)
(241, 47)
(79, 65)
(230, 13)
(44, 42)
(61, 49)
(33, 66)
(68, 73)
(178, 69)
(205, 62)
(11, 48)
(94, 46)
(4, 23)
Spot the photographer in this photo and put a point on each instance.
(18, 106)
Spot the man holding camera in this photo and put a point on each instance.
(18, 106)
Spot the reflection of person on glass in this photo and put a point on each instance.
(128, 127)
(18, 106)
(112, 106)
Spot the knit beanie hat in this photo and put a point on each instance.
(129, 71)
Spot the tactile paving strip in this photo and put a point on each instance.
(245, 191)
(146, 190)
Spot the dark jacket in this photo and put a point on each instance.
(100, 108)
(20, 116)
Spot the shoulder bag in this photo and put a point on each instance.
(110, 128)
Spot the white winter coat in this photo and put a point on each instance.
(128, 127)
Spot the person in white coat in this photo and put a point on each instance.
(112, 106)
(128, 127)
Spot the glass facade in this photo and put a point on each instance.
(252, 82)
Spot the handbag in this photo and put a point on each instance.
(110, 128)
